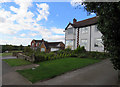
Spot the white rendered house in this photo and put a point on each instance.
(84, 33)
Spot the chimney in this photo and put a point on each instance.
(74, 21)
(42, 39)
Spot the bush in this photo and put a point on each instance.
(98, 55)
(73, 55)
(28, 51)
(79, 49)
(82, 55)
(40, 57)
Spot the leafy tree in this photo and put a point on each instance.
(21, 47)
(109, 25)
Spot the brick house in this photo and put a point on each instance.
(84, 33)
(46, 46)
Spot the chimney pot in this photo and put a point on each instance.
(74, 20)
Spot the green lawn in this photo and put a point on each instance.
(5, 54)
(16, 62)
(49, 69)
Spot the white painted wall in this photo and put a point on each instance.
(84, 36)
(71, 36)
(94, 35)
(54, 49)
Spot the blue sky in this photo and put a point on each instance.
(20, 22)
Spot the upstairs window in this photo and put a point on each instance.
(84, 30)
(70, 31)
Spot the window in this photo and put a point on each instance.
(43, 49)
(32, 44)
(84, 30)
(84, 42)
(69, 43)
(70, 31)
(98, 43)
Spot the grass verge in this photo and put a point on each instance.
(16, 62)
(50, 69)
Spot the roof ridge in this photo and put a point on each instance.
(86, 19)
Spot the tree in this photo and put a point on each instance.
(21, 47)
(109, 25)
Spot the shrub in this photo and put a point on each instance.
(68, 49)
(98, 55)
(39, 57)
(73, 55)
(79, 49)
(83, 55)
(28, 51)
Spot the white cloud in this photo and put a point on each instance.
(17, 41)
(75, 3)
(43, 11)
(33, 34)
(23, 20)
(3, 1)
(55, 38)
(22, 35)
(57, 30)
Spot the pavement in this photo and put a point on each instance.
(101, 73)
(10, 77)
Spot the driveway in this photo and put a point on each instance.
(97, 74)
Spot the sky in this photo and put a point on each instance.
(21, 21)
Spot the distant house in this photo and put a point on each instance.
(84, 33)
(46, 46)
